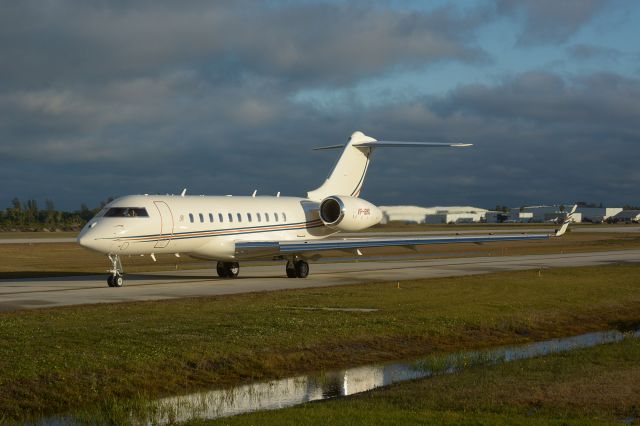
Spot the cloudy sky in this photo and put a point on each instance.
(107, 98)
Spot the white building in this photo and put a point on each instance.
(542, 213)
(515, 215)
(407, 214)
(437, 214)
(598, 214)
(627, 216)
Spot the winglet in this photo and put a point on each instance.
(567, 221)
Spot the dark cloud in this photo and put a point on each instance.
(539, 138)
(550, 21)
(79, 42)
(588, 52)
(100, 99)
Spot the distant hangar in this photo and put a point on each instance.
(434, 215)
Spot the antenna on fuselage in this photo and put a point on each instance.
(278, 194)
(184, 191)
(255, 191)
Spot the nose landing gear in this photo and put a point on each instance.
(115, 273)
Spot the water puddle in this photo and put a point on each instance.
(293, 391)
(276, 394)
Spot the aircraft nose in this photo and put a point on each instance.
(86, 240)
(89, 238)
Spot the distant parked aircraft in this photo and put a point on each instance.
(229, 229)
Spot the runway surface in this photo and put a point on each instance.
(52, 292)
(460, 230)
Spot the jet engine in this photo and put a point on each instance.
(348, 213)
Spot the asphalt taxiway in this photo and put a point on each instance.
(20, 294)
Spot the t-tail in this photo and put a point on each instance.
(348, 175)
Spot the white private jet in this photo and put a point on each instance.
(229, 229)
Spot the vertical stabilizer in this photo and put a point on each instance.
(347, 176)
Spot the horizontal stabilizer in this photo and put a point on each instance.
(397, 144)
(320, 148)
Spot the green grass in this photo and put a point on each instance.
(26, 234)
(590, 386)
(54, 360)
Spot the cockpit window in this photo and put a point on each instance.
(126, 212)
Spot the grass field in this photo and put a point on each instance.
(54, 259)
(54, 360)
(590, 386)
(25, 235)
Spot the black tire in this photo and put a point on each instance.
(221, 270)
(117, 281)
(110, 280)
(291, 270)
(302, 269)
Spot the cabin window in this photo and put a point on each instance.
(266, 217)
(276, 217)
(126, 212)
(284, 216)
(230, 217)
(211, 217)
(191, 217)
(201, 217)
(220, 217)
(249, 217)
(239, 217)
(259, 218)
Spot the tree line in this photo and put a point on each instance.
(28, 216)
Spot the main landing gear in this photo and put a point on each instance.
(228, 269)
(115, 273)
(297, 269)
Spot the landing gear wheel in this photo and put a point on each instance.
(291, 270)
(228, 269)
(117, 281)
(302, 269)
(221, 270)
(115, 273)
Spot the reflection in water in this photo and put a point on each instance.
(297, 390)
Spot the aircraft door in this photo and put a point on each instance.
(166, 224)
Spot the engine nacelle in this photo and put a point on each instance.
(349, 213)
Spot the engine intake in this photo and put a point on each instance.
(348, 213)
(331, 211)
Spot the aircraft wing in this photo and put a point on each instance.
(274, 249)
(262, 249)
